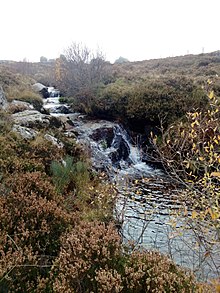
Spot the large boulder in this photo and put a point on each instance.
(41, 89)
(103, 134)
(38, 87)
(35, 119)
(3, 100)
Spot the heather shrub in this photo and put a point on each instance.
(153, 272)
(31, 212)
(90, 247)
(18, 155)
(92, 259)
(5, 123)
(8, 257)
(13, 108)
(33, 218)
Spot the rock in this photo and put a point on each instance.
(18, 106)
(121, 152)
(35, 119)
(25, 132)
(29, 133)
(67, 123)
(3, 100)
(54, 141)
(105, 134)
(42, 89)
(37, 87)
(60, 109)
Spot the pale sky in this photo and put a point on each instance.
(134, 29)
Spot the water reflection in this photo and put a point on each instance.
(148, 210)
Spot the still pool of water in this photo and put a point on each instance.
(148, 210)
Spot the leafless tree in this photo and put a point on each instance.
(83, 69)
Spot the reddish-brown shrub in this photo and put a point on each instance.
(89, 248)
(33, 218)
(92, 259)
(153, 272)
(18, 155)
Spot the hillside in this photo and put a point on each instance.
(200, 67)
(139, 94)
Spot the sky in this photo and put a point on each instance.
(133, 29)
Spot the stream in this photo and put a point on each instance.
(148, 201)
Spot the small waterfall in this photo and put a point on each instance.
(132, 166)
(134, 156)
(112, 150)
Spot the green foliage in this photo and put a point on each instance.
(147, 101)
(68, 174)
(64, 100)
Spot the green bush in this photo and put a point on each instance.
(69, 173)
(147, 101)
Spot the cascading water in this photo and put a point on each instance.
(112, 150)
(130, 166)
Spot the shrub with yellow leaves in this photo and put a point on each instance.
(190, 152)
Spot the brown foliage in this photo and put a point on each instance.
(153, 272)
(33, 218)
(18, 155)
(93, 260)
(88, 248)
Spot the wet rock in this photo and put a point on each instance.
(103, 134)
(42, 89)
(121, 152)
(60, 109)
